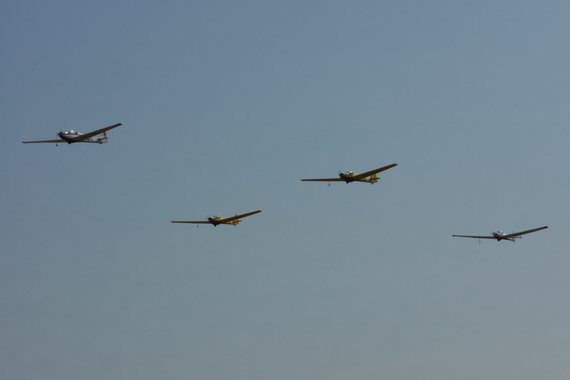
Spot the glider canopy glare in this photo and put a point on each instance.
(500, 235)
(216, 220)
(349, 176)
(96, 137)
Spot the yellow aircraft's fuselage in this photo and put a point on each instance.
(217, 220)
(348, 177)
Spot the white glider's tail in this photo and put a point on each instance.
(102, 139)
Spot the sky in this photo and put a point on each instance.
(225, 105)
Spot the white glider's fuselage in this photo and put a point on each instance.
(500, 235)
(72, 136)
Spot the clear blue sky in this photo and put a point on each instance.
(226, 105)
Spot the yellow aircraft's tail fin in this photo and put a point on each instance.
(235, 222)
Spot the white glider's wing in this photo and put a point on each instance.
(88, 135)
(236, 217)
(517, 234)
(375, 171)
(475, 237)
(43, 141)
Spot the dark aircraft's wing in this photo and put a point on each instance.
(191, 221)
(516, 234)
(476, 237)
(337, 179)
(98, 132)
(375, 171)
(43, 141)
(235, 217)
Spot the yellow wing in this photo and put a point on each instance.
(322, 180)
(236, 217)
(375, 171)
(191, 221)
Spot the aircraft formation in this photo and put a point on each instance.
(99, 136)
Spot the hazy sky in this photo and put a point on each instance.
(225, 106)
